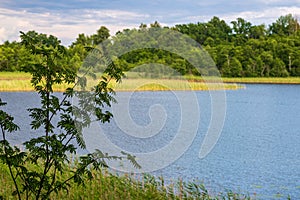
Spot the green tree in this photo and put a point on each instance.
(13, 56)
(198, 32)
(235, 67)
(223, 55)
(267, 60)
(59, 124)
(241, 27)
(155, 25)
(295, 71)
(218, 29)
(278, 69)
(257, 32)
(249, 43)
(9, 56)
(101, 35)
(82, 40)
(284, 25)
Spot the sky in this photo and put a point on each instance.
(67, 18)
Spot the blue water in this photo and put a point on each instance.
(257, 153)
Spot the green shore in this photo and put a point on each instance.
(110, 185)
(19, 81)
(264, 80)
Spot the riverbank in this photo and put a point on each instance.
(107, 185)
(254, 80)
(264, 80)
(20, 81)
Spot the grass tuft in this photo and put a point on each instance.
(109, 185)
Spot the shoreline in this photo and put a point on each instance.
(20, 82)
(202, 87)
(264, 80)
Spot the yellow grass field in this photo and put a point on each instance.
(19, 81)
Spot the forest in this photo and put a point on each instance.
(239, 49)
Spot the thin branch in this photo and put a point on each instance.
(10, 165)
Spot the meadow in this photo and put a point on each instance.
(20, 81)
(264, 80)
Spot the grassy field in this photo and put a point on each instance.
(170, 84)
(264, 80)
(254, 80)
(19, 81)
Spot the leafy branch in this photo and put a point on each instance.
(60, 124)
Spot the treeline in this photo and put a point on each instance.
(239, 49)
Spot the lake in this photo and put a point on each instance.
(258, 151)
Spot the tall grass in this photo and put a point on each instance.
(169, 84)
(266, 80)
(15, 85)
(18, 81)
(23, 85)
(111, 186)
(14, 75)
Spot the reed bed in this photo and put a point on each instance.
(111, 186)
(20, 81)
(14, 76)
(264, 80)
(17, 81)
(170, 84)
(21, 85)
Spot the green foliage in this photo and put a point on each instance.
(59, 124)
(107, 185)
(280, 39)
(285, 25)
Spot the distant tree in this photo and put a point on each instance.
(218, 29)
(241, 27)
(101, 35)
(250, 68)
(198, 32)
(155, 25)
(248, 43)
(257, 32)
(143, 26)
(278, 68)
(9, 56)
(284, 25)
(295, 65)
(82, 40)
(267, 60)
(235, 67)
(225, 69)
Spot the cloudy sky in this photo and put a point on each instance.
(67, 18)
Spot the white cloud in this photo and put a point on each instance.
(280, 1)
(65, 25)
(265, 16)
